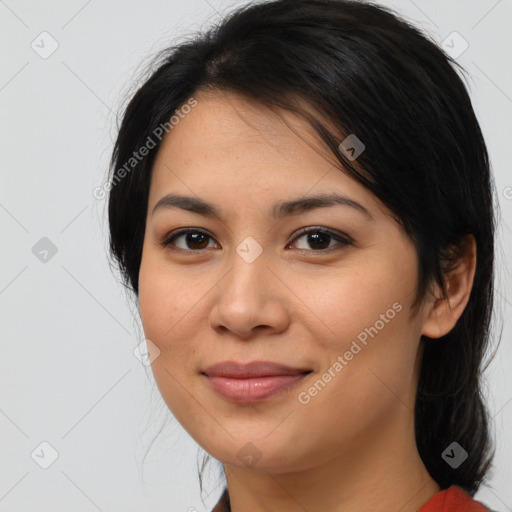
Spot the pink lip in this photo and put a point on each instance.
(252, 382)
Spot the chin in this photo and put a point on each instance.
(248, 453)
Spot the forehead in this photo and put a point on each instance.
(222, 120)
(234, 148)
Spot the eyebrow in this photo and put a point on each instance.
(277, 211)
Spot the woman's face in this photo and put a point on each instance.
(247, 286)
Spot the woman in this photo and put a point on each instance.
(302, 205)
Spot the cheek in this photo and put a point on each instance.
(169, 302)
(353, 301)
(371, 342)
(161, 307)
(362, 388)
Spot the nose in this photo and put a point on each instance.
(250, 299)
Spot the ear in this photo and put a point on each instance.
(442, 313)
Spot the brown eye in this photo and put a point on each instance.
(194, 240)
(320, 239)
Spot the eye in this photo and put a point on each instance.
(194, 238)
(320, 238)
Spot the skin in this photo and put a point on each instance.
(352, 446)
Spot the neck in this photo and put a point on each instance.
(379, 473)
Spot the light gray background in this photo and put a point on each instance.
(68, 375)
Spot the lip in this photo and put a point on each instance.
(252, 382)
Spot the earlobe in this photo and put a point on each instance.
(443, 313)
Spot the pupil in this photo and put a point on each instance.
(191, 237)
(324, 237)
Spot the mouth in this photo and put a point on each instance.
(252, 382)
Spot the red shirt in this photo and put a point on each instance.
(453, 499)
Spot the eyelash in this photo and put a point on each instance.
(343, 240)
